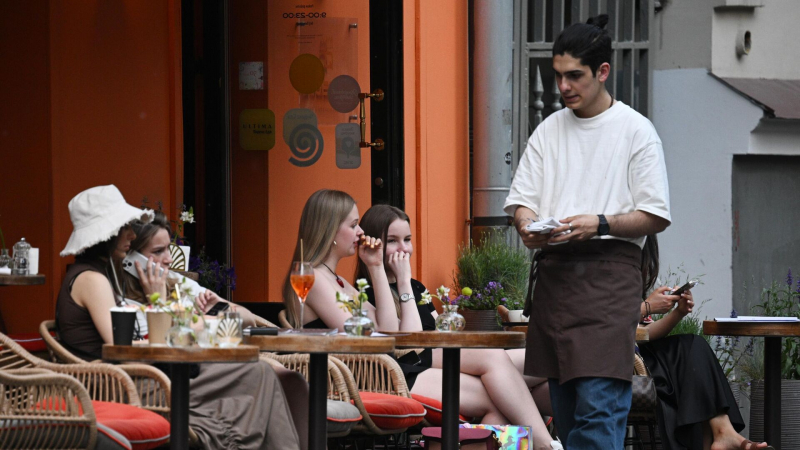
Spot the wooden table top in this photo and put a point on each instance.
(458, 339)
(322, 344)
(714, 328)
(163, 353)
(21, 280)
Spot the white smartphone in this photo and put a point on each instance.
(130, 267)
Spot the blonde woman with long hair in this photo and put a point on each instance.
(329, 228)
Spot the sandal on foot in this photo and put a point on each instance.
(750, 445)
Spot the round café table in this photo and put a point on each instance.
(772, 332)
(18, 280)
(179, 360)
(318, 347)
(451, 344)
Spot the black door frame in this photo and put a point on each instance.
(386, 73)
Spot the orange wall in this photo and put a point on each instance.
(436, 134)
(111, 116)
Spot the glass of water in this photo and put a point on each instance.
(229, 330)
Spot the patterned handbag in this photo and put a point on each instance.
(644, 401)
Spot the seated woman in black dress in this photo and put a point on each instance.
(496, 368)
(330, 232)
(696, 406)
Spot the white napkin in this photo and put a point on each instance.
(545, 226)
(5, 271)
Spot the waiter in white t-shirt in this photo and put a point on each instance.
(597, 167)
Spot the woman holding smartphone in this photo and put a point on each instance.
(231, 405)
(697, 408)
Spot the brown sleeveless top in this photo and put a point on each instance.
(76, 329)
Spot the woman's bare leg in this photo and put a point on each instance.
(473, 399)
(725, 436)
(506, 388)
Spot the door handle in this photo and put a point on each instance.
(376, 95)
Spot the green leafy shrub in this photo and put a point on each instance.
(492, 261)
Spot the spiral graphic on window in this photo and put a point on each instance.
(306, 144)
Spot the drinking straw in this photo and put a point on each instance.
(301, 251)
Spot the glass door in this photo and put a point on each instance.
(295, 70)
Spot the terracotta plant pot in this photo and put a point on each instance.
(480, 320)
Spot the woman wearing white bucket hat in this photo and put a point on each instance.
(249, 392)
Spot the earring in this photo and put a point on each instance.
(334, 242)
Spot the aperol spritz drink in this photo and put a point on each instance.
(302, 279)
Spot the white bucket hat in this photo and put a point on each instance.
(98, 214)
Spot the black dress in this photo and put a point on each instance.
(409, 364)
(691, 388)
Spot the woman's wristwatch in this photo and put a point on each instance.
(406, 297)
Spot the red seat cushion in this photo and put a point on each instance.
(144, 429)
(434, 410)
(31, 342)
(392, 412)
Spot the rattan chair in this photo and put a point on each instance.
(152, 384)
(104, 382)
(24, 423)
(337, 387)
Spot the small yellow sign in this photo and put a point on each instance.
(257, 129)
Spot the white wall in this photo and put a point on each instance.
(775, 53)
(702, 123)
(776, 137)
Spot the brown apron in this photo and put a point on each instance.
(584, 310)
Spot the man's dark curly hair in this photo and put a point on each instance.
(588, 42)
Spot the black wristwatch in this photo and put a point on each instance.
(603, 229)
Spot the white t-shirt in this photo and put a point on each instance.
(609, 164)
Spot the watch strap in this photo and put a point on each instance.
(406, 297)
(602, 228)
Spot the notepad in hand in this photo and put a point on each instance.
(757, 319)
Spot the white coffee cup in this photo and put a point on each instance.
(515, 315)
(33, 261)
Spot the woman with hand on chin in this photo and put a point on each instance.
(330, 231)
(501, 379)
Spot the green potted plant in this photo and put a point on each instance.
(488, 275)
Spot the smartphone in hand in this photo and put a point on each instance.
(689, 284)
(130, 267)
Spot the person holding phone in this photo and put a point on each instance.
(231, 405)
(696, 406)
(152, 242)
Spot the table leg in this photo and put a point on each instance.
(772, 391)
(317, 401)
(451, 373)
(179, 407)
